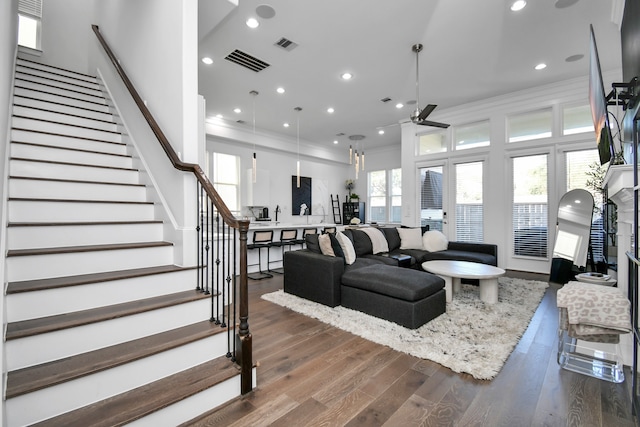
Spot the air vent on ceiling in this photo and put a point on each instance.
(240, 121)
(286, 44)
(246, 60)
(387, 99)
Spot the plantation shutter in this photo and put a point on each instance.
(469, 204)
(530, 206)
(30, 7)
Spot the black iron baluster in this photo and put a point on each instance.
(199, 190)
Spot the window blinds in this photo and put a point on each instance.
(30, 7)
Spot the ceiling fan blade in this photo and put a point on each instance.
(434, 124)
(426, 111)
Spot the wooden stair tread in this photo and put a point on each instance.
(91, 86)
(46, 101)
(35, 199)
(81, 150)
(84, 138)
(58, 322)
(63, 113)
(83, 165)
(87, 248)
(43, 65)
(37, 377)
(64, 89)
(73, 125)
(75, 223)
(17, 86)
(75, 181)
(84, 279)
(132, 405)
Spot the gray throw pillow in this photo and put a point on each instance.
(312, 243)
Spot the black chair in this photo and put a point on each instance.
(288, 237)
(328, 230)
(301, 241)
(261, 239)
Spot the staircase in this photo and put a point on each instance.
(102, 328)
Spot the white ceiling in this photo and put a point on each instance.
(473, 49)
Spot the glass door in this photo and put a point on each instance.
(431, 197)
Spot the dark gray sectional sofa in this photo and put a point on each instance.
(374, 283)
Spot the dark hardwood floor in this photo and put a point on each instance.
(311, 374)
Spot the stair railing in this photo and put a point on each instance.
(218, 235)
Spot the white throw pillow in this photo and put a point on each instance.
(410, 238)
(347, 248)
(434, 241)
(325, 245)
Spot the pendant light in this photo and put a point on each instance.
(298, 109)
(358, 158)
(350, 154)
(254, 161)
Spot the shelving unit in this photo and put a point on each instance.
(352, 210)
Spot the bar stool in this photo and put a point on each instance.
(328, 230)
(306, 231)
(261, 239)
(288, 238)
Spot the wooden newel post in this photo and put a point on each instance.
(244, 339)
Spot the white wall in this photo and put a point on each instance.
(66, 33)
(330, 170)
(8, 43)
(155, 42)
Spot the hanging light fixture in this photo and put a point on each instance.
(298, 109)
(254, 161)
(358, 158)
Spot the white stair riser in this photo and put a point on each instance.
(62, 171)
(63, 129)
(65, 108)
(57, 90)
(75, 190)
(34, 93)
(52, 80)
(50, 302)
(55, 154)
(46, 211)
(70, 264)
(48, 70)
(191, 407)
(64, 118)
(57, 75)
(47, 236)
(68, 142)
(93, 388)
(43, 348)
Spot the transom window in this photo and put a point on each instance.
(576, 119)
(434, 142)
(530, 125)
(472, 135)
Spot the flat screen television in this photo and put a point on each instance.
(598, 103)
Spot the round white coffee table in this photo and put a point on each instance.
(453, 271)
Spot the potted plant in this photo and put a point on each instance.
(354, 198)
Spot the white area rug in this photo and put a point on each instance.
(471, 337)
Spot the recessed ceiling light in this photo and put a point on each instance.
(219, 116)
(286, 125)
(252, 23)
(330, 110)
(346, 76)
(237, 110)
(381, 132)
(518, 5)
(207, 60)
(280, 90)
(399, 105)
(335, 141)
(540, 66)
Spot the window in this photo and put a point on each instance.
(576, 120)
(385, 196)
(226, 179)
(434, 142)
(29, 22)
(469, 210)
(531, 125)
(431, 212)
(581, 167)
(530, 200)
(472, 135)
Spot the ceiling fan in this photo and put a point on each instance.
(419, 116)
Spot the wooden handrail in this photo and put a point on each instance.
(244, 335)
(226, 214)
